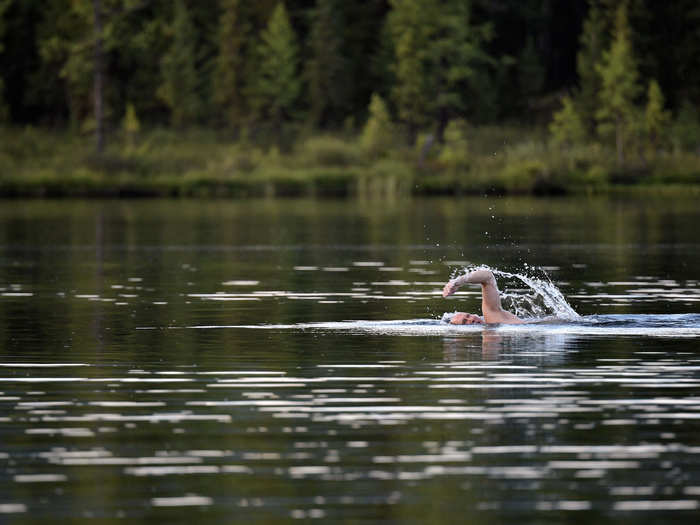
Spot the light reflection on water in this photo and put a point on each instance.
(328, 423)
(238, 381)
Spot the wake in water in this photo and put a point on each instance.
(615, 325)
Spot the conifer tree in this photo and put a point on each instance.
(618, 72)
(278, 82)
(437, 55)
(591, 45)
(456, 58)
(411, 26)
(180, 82)
(567, 127)
(229, 82)
(656, 118)
(378, 132)
(326, 71)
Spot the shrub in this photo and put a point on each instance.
(377, 135)
(328, 152)
(455, 152)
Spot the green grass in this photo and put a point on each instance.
(204, 163)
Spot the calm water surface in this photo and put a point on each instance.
(265, 361)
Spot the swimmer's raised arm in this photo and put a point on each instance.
(490, 297)
(475, 277)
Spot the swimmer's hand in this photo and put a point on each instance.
(453, 285)
(476, 277)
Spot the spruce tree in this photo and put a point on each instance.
(438, 54)
(229, 81)
(180, 82)
(567, 128)
(656, 118)
(329, 84)
(591, 45)
(456, 60)
(378, 132)
(411, 25)
(618, 72)
(278, 83)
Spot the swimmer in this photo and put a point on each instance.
(491, 308)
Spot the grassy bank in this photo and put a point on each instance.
(492, 159)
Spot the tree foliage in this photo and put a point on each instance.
(656, 118)
(234, 30)
(438, 57)
(180, 81)
(619, 85)
(592, 43)
(411, 31)
(278, 84)
(567, 127)
(378, 132)
(329, 84)
(256, 66)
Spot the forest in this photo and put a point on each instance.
(336, 97)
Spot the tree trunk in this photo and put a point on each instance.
(98, 65)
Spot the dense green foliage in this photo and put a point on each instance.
(386, 86)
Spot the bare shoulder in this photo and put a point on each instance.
(501, 316)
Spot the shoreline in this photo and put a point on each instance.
(496, 160)
(330, 186)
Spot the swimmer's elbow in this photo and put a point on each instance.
(481, 277)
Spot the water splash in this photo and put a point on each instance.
(542, 300)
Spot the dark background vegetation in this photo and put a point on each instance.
(447, 96)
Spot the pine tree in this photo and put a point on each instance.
(180, 83)
(456, 59)
(656, 118)
(618, 72)
(591, 44)
(229, 80)
(567, 127)
(411, 26)
(378, 132)
(278, 82)
(438, 53)
(327, 69)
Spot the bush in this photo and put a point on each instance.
(523, 176)
(378, 134)
(328, 152)
(455, 152)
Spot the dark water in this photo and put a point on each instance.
(259, 362)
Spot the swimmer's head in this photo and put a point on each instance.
(462, 318)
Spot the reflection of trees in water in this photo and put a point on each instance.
(547, 348)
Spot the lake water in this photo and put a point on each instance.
(265, 361)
